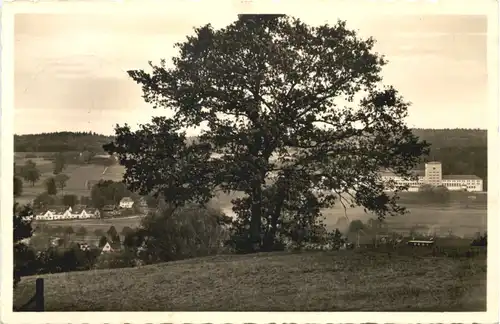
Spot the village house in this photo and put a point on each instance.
(61, 213)
(126, 203)
(54, 214)
(111, 247)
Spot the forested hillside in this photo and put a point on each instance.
(462, 151)
(61, 142)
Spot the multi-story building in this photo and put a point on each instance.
(433, 175)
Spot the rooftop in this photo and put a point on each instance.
(461, 177)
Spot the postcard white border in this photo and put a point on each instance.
(320, 9)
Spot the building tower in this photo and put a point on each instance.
(433, 173)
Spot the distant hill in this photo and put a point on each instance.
(61, 142)
(462, 151)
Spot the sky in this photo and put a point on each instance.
(70, 69)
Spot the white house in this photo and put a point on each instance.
(110, 247)
(126, 202)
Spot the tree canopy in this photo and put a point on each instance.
(296, 117)
(30, 173)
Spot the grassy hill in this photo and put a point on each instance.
(353, 280)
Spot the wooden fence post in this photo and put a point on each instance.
(39, 296)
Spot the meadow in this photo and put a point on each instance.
(349, 280)
(78, 177)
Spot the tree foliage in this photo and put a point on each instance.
(44, 200)
(61, 179)
(108, 192)
(21, 230)
(30, 173)
(297, 117)
(51, 186)
(113, 235)
(18, 186)
(59, 163)
(173, 234)
(70, 200)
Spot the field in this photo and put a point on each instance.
(445, 220)
(78, 177)
(353, 280)
(93, 224)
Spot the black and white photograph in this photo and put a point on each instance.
(196, 156)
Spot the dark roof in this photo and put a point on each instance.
(460, 177)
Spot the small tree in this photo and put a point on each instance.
(18, 186)
(70, 200)
(113, 235)
(30, 172)
(61, 180)
(102, 241)
(355, 226)
(50, 185)
(59, 163)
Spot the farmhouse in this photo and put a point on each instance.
(433, 175)
(126, 202)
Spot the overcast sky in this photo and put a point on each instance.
(70, 69)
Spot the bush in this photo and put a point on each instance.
(167, 235)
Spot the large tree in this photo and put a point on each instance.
(288, 109)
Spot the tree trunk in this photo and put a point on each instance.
(271, 235)
(256, 218)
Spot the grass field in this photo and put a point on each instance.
(78, 177)
(353, 280)
(92, 224)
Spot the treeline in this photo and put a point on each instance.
(458, 137)
(61, 142)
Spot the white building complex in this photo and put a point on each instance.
(433, 175)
